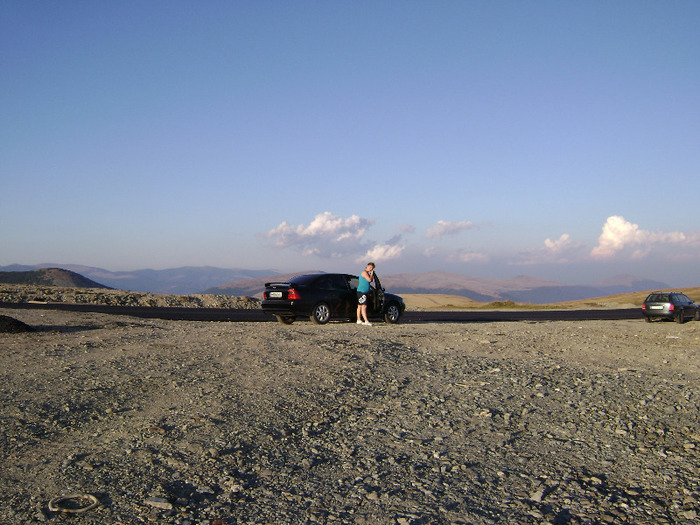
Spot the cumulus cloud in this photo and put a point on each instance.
(558, 251)
(442, 228)
(327, 235)
(620, 235)
(382, 252)
(562, 244)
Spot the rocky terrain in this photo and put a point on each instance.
(22, 293)
(240, 423)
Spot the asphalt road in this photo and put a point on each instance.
(221, 314)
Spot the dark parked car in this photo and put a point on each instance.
(326, 296)
(670, 305)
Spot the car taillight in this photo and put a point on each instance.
(293, 295)
(671, 307)
(644, 307)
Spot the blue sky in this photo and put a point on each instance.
(550, 138)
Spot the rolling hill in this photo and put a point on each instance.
(180, 281)
(50, 277)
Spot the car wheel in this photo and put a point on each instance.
(321, 313)
(697, 314)
(285, 319)
(647, 319)
(392, 313)
(680, 317)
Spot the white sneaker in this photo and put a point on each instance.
(360, 322)
(367, 323)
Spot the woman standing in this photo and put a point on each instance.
(366, 277)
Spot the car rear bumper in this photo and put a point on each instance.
(279, 309)
(658, 313)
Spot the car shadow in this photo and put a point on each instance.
(64, 329)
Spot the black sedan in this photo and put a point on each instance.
(326, 296)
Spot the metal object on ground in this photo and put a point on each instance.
(73, 503)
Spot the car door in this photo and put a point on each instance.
(347, 297)
(688, 307)
(678, 302)
(377, 302)
(329, 293)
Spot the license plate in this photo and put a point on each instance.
(275, 295)
(656, 307)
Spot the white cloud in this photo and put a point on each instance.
(327, 235)
(456, 256)
(324, 226)
(472, 257)
(560, 245)
(442, 228)
(382, 252)
(620, 235)
(559, 251)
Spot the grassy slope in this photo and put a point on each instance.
(441, 302)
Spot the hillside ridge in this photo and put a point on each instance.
(50, 277)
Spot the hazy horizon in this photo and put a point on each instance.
(272, 271)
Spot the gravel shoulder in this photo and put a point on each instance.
(231, 423)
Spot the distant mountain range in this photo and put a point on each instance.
(179, 281)
(522, 289)
(205, 279)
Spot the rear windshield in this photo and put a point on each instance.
(303, 279)
(658, 298)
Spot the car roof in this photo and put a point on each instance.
(668, 294)
(318, 274)
(309, 276)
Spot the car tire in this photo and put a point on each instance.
(285, 319)
(697, 315)
(321, 313)
(393, 313)
(647, 319)
(680, 318)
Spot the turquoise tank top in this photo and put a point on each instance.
(363, 285)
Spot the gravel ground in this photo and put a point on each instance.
(237, 423)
